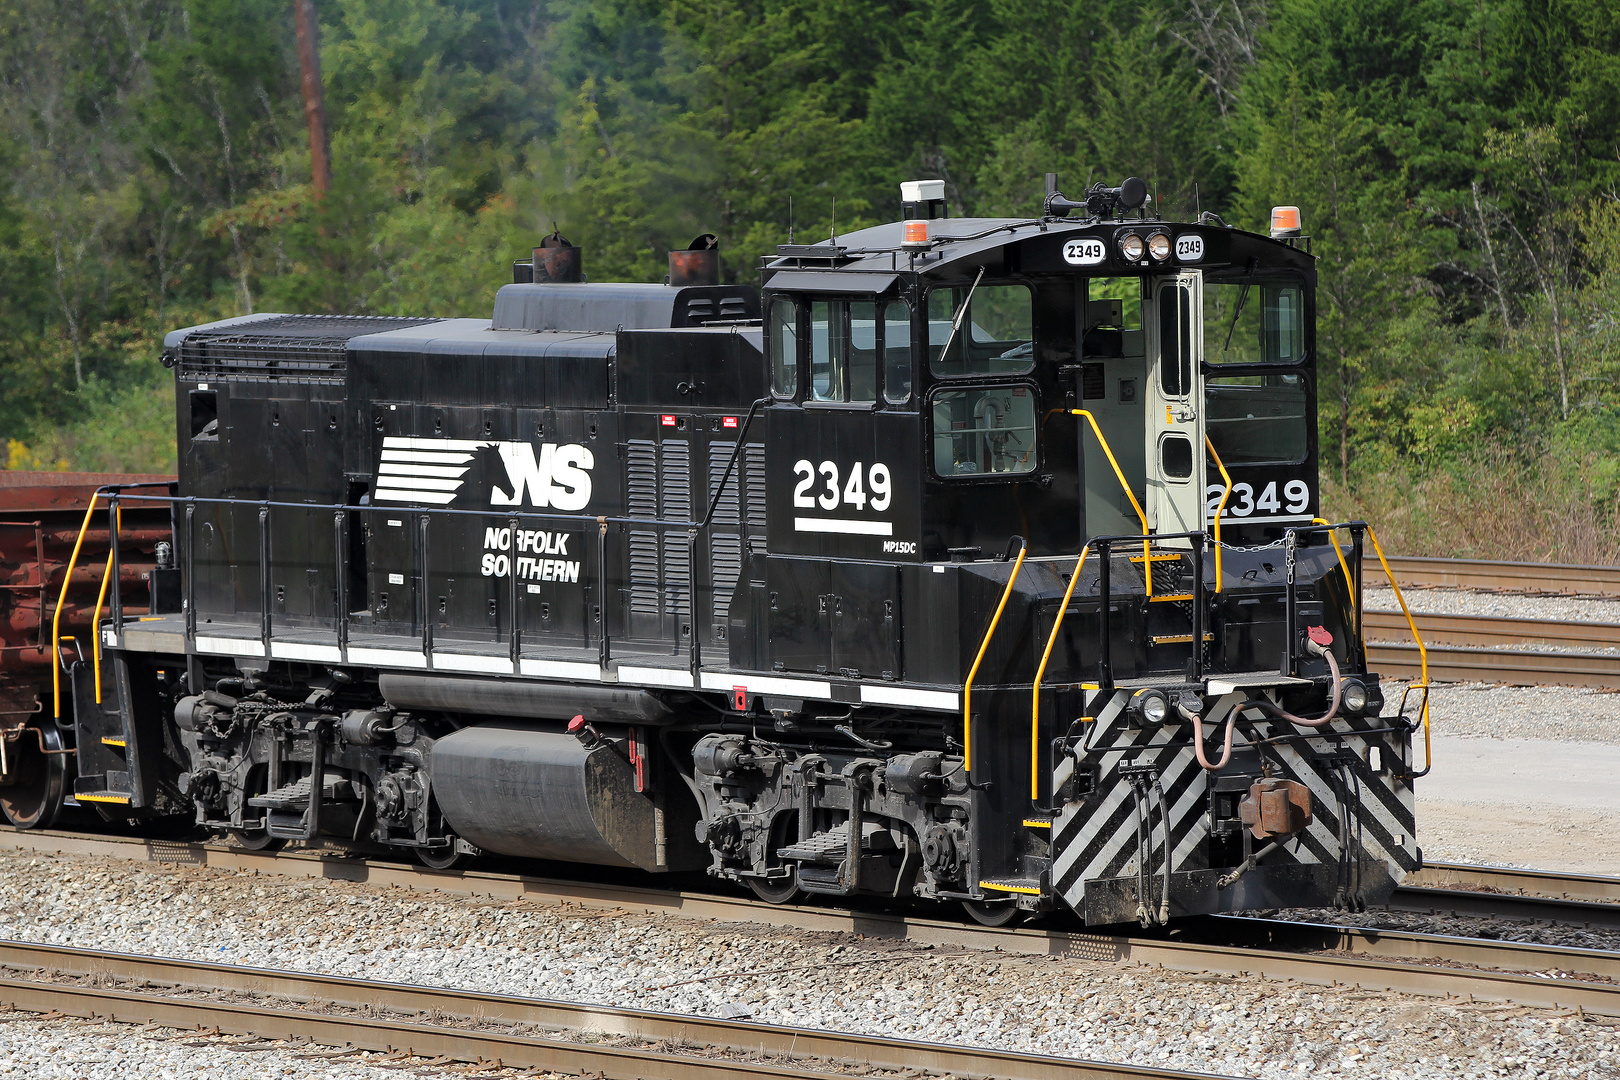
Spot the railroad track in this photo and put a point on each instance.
(557, 1036)
(1383, 960)
(1514, 667)
(1470, 648)
(1487, 575)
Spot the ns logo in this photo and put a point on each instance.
(433, 472)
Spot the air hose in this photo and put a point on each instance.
(1317, 642)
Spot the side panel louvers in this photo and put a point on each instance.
(725, 549)
(754, 457)
(675, 495)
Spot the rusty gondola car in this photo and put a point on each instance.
(970, 560)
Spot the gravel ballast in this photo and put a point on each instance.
(1056, 1005)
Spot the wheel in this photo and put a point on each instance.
(39, 781)
(443, 859)
(784, 827)
(777, 891)
(1000, 914)
(255, 841)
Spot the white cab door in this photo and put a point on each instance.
(1175, 420)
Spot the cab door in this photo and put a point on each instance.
(1175, 421)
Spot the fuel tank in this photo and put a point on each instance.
(533, 794)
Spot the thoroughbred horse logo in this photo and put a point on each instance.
(432, 472)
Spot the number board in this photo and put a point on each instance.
(1263, 495)
(843, 483)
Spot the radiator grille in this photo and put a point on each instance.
(307, 348)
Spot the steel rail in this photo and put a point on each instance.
(1592, 888)
(1416, 898)
(1372, 959)
(1512, 667)
(403, 1004)
(1494, 575)
(1378, 944)
(1486, 631)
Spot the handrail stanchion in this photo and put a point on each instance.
(695, 655)
(61, 602)
(602, 590)
(1040, 672)
(984, 646)
(1220, 509)
(340, 578)
(108, 574)
(265, 590)
(422, 606)
(1105, 665)
(1119, 474)
(514, 595)
(191, 569)
(1358, 552)
(95, 623)
(115, 519)
(1290, 604)
(1198, 599)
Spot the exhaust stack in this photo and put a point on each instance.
(699, 264)
(556, 260)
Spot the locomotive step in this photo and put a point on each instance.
(295, 796)
(831, 846)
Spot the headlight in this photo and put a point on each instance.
(1150, 707)
(1158, 246)
(1131, 245)
(1354, 695)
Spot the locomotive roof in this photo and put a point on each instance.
(476, 337)
(962, 245)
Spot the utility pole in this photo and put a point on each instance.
(309, 63)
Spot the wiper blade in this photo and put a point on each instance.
(1243, 298)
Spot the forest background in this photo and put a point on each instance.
(1457, 163)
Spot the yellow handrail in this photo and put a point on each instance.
(1333, 538)
(116, 521)
(1423, 653)
(1220, 510)
(1141, 515)
(56, 618)
(1040, 673)
(984, 646)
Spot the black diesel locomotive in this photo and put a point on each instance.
(975, 560)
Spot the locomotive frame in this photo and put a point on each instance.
(904, 577)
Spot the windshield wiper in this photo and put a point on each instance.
(961, 313)
(1243, 298)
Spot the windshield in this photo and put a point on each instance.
(1253, 322)
(995, 335)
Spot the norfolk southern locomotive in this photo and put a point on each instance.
(972, 560)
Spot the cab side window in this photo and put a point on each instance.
(984, 431)
(896, 352)
(843, 351)
(784, 348)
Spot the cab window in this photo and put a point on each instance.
(784, 348)
(1253, 322)
(984, 431)
(843, 351)
(995, 330)
(1257, 419)
(897, 352)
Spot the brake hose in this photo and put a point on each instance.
(1317, 644)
